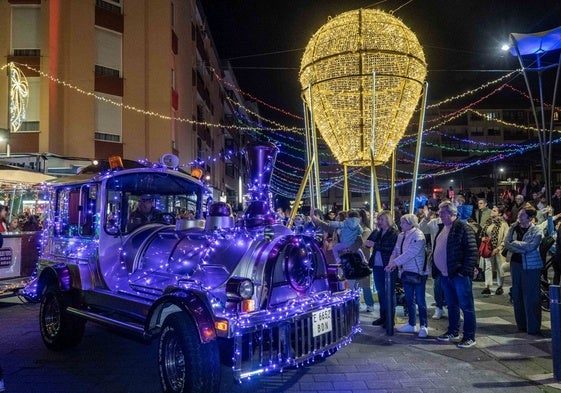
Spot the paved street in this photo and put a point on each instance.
(105, 361)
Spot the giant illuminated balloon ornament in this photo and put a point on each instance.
(350, 58)
(358, 61)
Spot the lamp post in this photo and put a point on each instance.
(495, 176)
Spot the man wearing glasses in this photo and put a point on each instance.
(144, 213)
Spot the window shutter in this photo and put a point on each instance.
(108, 49)
(25, 28)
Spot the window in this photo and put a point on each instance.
(113, 6)
(26, 29)
(108, 56)
(108, 119)
(76, 211)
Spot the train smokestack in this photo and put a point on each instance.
(260, 160)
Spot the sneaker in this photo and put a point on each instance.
(378, 322)
(362, 308)
(438, 313)
(406, 329)
(486, 291)
(466, 343)
(423, 332)
(499, 291)
(448, 337)
(369, 308)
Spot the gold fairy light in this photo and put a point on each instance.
(19, 95)
(337, 78)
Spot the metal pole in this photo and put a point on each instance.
(299, 196)
(345, 189)
(392, 186)
(555, 310)
(373, 179)
(389, 302)
(309, 149)
(418, 149)
(315, 154)
(543, 146)
(375, 182)
(551, 124)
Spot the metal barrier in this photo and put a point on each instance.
(555, 309)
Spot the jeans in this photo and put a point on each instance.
(459, 295)
(416, 294)
(525, 293)
(379, 281)
(366, 286)
(438, 292)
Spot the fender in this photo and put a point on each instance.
(58, 275)
(180, 300)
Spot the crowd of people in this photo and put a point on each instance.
(21, 223)
(453, 240)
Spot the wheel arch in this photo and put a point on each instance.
(189, 302)
(57, 276)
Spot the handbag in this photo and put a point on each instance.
(354, 266)
(485, 247)
(410, 278)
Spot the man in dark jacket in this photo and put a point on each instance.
(455, 254)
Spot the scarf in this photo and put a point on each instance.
(495, 224)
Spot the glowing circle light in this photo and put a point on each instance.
(337, 78)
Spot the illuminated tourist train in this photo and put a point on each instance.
(251, 293)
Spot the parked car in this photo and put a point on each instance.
(250, 293)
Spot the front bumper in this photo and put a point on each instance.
(286, 337)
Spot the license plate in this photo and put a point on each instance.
(321, 322)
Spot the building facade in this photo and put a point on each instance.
(134, 78)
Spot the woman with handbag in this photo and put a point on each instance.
(522, 242)
(410, 257)
(494, 233)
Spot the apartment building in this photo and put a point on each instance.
(135, 78)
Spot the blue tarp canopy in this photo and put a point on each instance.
(535, 43)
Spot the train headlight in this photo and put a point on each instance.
(238, 289)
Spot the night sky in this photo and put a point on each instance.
(264, 39)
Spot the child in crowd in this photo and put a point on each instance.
(350, 233)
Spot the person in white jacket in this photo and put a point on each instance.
(409, 256)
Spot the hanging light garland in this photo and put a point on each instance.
(285, 182)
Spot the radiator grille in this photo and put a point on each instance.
(266, 347)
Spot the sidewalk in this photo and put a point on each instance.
(503, 360)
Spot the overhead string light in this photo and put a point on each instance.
(287, 180)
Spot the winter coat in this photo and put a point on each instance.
(528, 247)
(409, 251)
(461, 250)
(385, 244)
(350, 229)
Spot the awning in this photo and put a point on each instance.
(9, 174)
(534, 43)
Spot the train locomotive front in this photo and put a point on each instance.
(251, 292)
